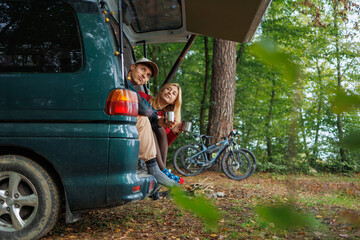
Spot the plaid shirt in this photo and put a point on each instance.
(144, 106)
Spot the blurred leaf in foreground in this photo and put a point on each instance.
(286, 217)
(269, 54)
(350, 217)
(200, 206)
(344, 102)
(352, 140)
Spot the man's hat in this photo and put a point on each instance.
(151, 64)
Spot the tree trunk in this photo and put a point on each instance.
(339, 76)
(318, 117)
(222, 94)
(205, 87)
(303, 130)
(154, 81)
(240, 52)
(268, 121)
(249, 127)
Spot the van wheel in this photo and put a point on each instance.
(29, 199)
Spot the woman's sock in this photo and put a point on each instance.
(172, 176)
(154, 170)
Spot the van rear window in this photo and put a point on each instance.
(39, 36)
(155, 15)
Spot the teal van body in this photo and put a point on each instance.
(57, 120)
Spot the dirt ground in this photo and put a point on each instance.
(333, 201)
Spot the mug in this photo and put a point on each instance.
(169, 117)
(186, 127)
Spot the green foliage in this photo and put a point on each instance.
(335, 165)
(198, 205)
(271, 167)
(300, 166)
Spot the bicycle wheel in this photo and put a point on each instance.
(188, 161)
(252, 157)
(236, 165)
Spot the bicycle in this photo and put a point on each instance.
(192, 159)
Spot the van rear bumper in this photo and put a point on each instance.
(125, 183)
(129, 187)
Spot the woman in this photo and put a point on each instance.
(167, 99)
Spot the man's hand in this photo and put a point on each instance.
(178, 128)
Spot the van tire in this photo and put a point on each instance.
(40, 208)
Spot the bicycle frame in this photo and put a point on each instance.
(224, 144)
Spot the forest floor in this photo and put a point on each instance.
(331, 201)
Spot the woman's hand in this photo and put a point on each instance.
(161, 123)
(178, 128)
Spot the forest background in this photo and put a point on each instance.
(322, 38)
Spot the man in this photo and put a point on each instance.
(140, 73)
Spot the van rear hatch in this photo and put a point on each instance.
(157, 21)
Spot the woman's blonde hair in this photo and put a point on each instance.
(175, 106)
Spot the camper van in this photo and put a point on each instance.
(62, 150)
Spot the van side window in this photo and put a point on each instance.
(39, 36)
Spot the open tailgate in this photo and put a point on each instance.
(156, 21)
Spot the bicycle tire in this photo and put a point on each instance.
(236, 165)
(182, 162)
(252, 156)
(177, 160)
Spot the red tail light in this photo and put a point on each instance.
(122, 102)
(152, 183)
(136, 189)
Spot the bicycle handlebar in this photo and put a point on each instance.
(233, 133)
(206, 136)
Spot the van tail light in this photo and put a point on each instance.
(122, 102)
(152, 183)
(136, 189)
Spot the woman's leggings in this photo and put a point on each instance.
(161, 143)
